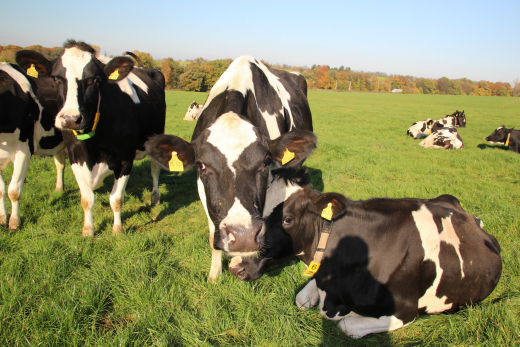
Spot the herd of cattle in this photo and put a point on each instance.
(376, 264)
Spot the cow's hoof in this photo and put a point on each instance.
(59, 189)
(155, 198)
(14, 223)
(88, 231)
(117, 229)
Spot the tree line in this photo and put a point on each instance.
(201, 74)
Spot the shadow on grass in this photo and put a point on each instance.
(497, 146)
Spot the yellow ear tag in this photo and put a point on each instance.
(287, 156)
(32, 71)
(114, 75)
(312, 269)
(175, 164)
(327, 212)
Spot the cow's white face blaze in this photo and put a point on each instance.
(235, 146)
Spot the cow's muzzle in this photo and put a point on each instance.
(69, 122)
(242, 239)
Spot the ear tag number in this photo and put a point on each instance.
(327, 212)
(175, 164)
(287, 156)
(32, 71)
(114, 75)
(312, 269)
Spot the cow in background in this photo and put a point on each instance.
(445, 137)
(109, 109)
(507, 137)
(376, 263)
(255, 118)
(420, 129)
(193, 112)
(27, 113)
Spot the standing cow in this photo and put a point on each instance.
(377, 263)
(252, 116)
(27, 113)
(111, 109)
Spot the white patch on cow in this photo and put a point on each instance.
(443, 135)
(277, 192)
(235, 262)
(243, 254)
(116, 199)
(416, 129)
(237, 215)
(449, 236)
(92, 178)
(74, 60)
(359, 326)
(230, 134)
(216, 255)
(238, 77)
(127, 86)
(19, 78)
(431, 243)
(308, 296)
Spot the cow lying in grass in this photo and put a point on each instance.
(193, 112)
(443, 137)
(385, 261)
(423, 129)
(507, 137)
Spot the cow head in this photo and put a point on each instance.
(460, 119)
(79, 76)
(499, 135)
(293, 221)
(233, 161)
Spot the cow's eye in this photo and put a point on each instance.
(97, 80)
(201, 166)
(288, 220)
(267, 161)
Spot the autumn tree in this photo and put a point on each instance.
(171, 70)
(322, 77)
(147, 59)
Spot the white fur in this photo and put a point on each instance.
(216, 255)
(359, 326)
(449, 236)
(231, 135)
(431, 242)
(308, 296)
(277, 192)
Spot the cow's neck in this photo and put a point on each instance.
(309, 246)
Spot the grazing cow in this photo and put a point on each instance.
(112, 109)
(447, 138)
(27, 112)
(377, 263)
(193, 111)
(421, 129)
(252, 116)
(507, 137)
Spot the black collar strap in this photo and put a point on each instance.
(322, 245)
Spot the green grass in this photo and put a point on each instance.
(149, 286)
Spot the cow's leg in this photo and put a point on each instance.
(59, 161)
(308, 296)
(87, 200)
(359, 326)
(156, 170)
(116, 201)
(216, 255)
(3, 208)
(21, 161)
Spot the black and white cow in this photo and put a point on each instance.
(443, 137)
(27, 113)
(421, 129)
(252, 115)
(193, 112)
(113, 109)
(507, 137)
(382, 261)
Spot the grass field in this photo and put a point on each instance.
(149, 286)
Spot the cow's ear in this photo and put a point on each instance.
(26, 59)
(293, 147)
(334, 202)
(118, 68)
(161, 147)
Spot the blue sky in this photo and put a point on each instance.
(475, 39)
